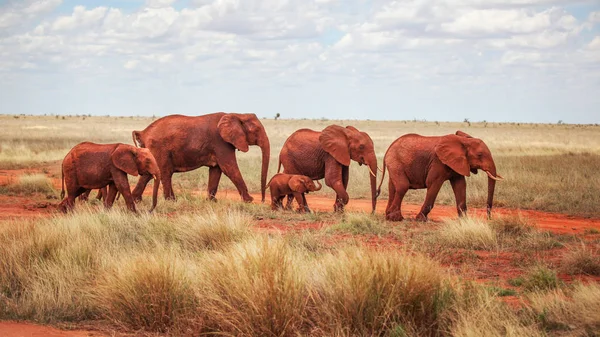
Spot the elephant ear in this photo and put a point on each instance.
(296, 184)
(334, 141)
(451, 151)
(231, 130)
(463, 134)
(124, 159)
(350, 127)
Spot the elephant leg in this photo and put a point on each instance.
(109, 198)
(166, 180)
(122, 184)
(290, 200)
(300, 200)
(140, 187)
(334, 179)
(459, 186)
(101, 193)
(232, 171)
(432, 191)
(398, 185)
(341, 197)
(345, 176)
(305, 203)
(214, 176)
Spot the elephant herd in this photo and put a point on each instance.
(178, 143)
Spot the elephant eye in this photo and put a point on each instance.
(362, 146)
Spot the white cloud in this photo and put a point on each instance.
(16, 13)
(595, 43)
(159, 3)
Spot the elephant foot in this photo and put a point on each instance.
(248, 199)
(394, 216)
(421, 217)
(300, 210)
(137, 199)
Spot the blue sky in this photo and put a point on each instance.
(446, 60)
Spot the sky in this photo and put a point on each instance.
(435, 60)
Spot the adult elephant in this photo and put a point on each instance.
(183, 143)
(326, 154)
(94, 166)
(416, 162)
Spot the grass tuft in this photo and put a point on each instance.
(581, 260)
(467, 232)
(536, 279)
(576, 310)
(149, 292)
(362, 292)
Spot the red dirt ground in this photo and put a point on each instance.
(493, 267)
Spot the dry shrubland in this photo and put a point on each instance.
(199, 267)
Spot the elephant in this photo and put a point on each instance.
(417, 162)
(295, 185)
(90, 166)
(326, 154)
(183, 143)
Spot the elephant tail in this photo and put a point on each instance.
(382, 176)
(269, 183)
(279, 166)
(134, 136)
(62, 179)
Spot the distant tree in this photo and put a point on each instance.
(277, 115)
(467, 121)
(560, 122)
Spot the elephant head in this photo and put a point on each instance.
(465, 155)
(348, 143)
(242, 130)
(135, 161)
(303, 184)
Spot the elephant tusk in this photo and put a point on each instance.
(373, 174)
(153, 176)
(499, 177)
(380, 170)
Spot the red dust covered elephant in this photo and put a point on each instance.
(416, 162)
(93, 166)
(183, 143)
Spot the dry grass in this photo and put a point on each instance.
(360, 223)
(576, 310)
(483, 315)
(581, 259)
(467, 232)
(29, 184)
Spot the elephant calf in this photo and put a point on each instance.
(94, 166)
(282, 185)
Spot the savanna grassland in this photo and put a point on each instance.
(195, 267)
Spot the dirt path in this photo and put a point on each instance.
(15, 329)
(554, 222)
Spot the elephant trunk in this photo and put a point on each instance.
(372, 164)
(155, 192)
(265, 147)
(492, 177)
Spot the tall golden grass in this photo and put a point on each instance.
(206, 272)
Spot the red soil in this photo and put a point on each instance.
(14, 329)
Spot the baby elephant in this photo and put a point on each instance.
(282, 185)
(94, 166)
